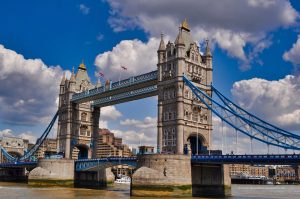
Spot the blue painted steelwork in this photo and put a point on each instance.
(117, 85)
(279, 159)
(38, 143)
(253, 120)
(125, 95)
(7, 155)
(18, 164)
(242, 124)
(83, 165)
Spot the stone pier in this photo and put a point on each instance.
(211, 180)
(52, 172)
(162, 175)
(100, 178)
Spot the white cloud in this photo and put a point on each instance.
(84, 9)
(274, 101)
(224, 138)
(148, 122)
(28, 89)
(109, 113)
(134, 138)
(6, 133)
(293, 55)
(103, 124)
(230, 24)
(137, 56)
(26, 135)
(100, 37)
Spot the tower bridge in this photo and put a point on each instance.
(183, 85)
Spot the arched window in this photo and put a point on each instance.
(195, 114)
(170, 116)
(83, 117)
(83, 131)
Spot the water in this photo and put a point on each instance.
(23, 191)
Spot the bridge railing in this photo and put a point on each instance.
(117, 85)
(126, 95)
(86, 164)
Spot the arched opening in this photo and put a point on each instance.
(12, 153)
(15, 154)
(80, 152)
(196, 144)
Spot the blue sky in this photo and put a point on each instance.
(248, 38)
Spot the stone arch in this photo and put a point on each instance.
(197, 143)
(80, 151)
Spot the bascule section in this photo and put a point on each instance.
(77, 122)
(184, 122)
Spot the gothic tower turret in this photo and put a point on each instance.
(183, 122)
(76, 122)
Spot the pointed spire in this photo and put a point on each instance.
(179, 38)
(72, 79)
(162, 45)
(185, 25)
(207, 49)
(63, 79)
(82, 65)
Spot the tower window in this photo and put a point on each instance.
(83, 117)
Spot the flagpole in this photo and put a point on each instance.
(120, 76)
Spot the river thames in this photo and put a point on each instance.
(22, 191)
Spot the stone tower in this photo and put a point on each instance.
(77, 123)
(183, 121)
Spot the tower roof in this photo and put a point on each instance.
(162, 45)
(185, 25)
(63, 79)
(207, 49)
(72, 79)
(82, 66)
(179, 38)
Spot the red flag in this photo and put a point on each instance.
(123, 67)
(100, 74)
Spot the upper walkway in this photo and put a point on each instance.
(133, 88)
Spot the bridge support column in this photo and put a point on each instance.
(211, 180)
(58, 172)
(162, 175)
(94, 179)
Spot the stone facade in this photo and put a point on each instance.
(52, 172)
(180, 115)
(162, 175)
(14, 146)
(77, 123)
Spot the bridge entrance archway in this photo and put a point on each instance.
(195, 142)
(80, 152)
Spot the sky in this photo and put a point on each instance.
(255, 46)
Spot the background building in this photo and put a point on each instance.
(48, 147)
(146, 149)
(14, 146)
(106, 145)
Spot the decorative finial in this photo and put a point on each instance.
(207, 49)
(185, 25)
(73, 69)
(162, 45)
